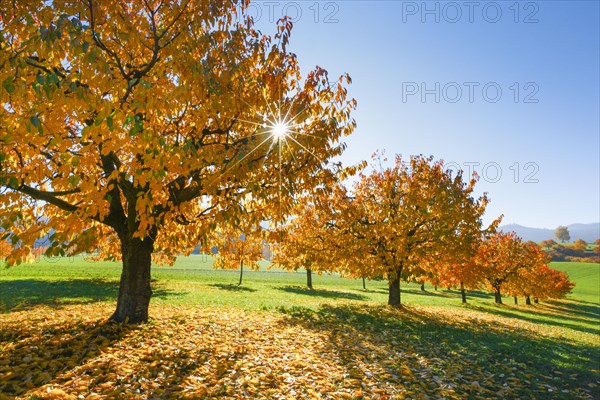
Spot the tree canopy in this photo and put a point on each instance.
(398, 220)
(562, 234)
(133, 129)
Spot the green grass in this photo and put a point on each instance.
(193, 281)
(587, 277)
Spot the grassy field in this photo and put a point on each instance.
(433, 346)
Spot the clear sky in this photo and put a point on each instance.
(509, 89)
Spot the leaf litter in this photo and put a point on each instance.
(335, 352)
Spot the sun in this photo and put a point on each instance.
(280, 130)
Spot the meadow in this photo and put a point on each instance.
(272, 337)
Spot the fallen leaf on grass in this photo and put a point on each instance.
(230, 353)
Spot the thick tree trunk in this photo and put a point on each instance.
(536, 300)
(516, 301)
(528, 300)
(497, 296)
(241, 272)
(134, 289)
(394, 293)
(435, 287)
(422, 286)
(364, 283)
(309, 278)
(463, 293)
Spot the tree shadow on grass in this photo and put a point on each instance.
(367, 290)
(474, 293)
(536, 314)
(580, 308)
(448, 293)
(321, 293)
(451, 355)
(430, 293)
(23, 294)
(232, 288)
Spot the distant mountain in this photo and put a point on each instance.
(587, 232)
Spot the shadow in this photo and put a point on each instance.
(54, 345)
(577, 307)
(452, 293)
(379, 291)
(476, 294)
(332, 294)
(439, 293)
(23, 294)
(569, 309)
(232, 288)
(537, 315)
(18, 295)
(451, 355)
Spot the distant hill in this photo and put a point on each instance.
(587, 232)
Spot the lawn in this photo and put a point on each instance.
(273, 338)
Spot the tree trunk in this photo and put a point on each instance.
(536, 300)
(528, 300)
(435, 287)
(422, 286)
(134, 288)
(394, 292)
(463, 293)
(516, 301)
(497, 296)
(309, 278)
(241, 272)
(364, 283)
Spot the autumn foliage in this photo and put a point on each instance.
(414, 222)
(520, 267)
(134, 133)
(236, 247)
(307, 239)
(397, 221)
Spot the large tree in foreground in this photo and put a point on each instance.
(133, 128)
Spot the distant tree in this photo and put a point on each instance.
(530, 279)
(544, 282)
(305, 242)
(236, 247)
(547, 244)
(504, 257)
(555, 284)
(580, 244)
(459, 267)
(403, 217)
(562, 233)
(597, 242)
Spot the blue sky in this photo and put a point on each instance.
(541, 134)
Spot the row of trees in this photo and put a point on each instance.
(411, 222)
(137, 134)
